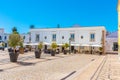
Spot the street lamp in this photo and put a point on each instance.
(69, 45)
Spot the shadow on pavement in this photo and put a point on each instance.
(1, 70)
(26, 63)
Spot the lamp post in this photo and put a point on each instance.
(69, 45)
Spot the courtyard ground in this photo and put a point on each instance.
(60, 67)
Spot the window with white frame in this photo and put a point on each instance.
(45, 37)
(62, 37)
(72, 37)
(92, 37)
(37, 38)
(5, 37)
(54, 37)
(81, 37)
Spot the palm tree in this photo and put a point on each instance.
(14, 41)
(38, 51)
(32, 26)
(14, 30)
(53, 46)
(66, 45)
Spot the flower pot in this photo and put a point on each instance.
(75, 51)
(21, 50)
(65, 52)
(37, 54)
(3, 49)
(52, 53)
(13, 56)
(100, 53)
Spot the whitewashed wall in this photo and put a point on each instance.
(82, 31)
(109, 43)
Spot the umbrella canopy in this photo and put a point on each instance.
(30, 44)
(45, 43)
(85, 45)
(96, 45)
(75, 44)
(60, 44)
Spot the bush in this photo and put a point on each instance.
(40, 45)
(53, 45)
(14, 40)
(100, 48)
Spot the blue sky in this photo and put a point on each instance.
(49, 13)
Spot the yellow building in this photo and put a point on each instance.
(118, 8)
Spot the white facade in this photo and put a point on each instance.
(112, 42)
(81, 35)
(4, 37)
(25, 37)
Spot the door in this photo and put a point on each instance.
(115, 46)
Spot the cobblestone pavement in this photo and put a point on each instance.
(110, 69)
(46, 68)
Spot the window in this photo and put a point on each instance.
(45, 37)
(92, 37)
(81, 37)
(72, 36)
(5, 37)
(54, 37)
(37, 37)
(0, 38)
(62, 37)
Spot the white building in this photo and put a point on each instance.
(26, 37)
(80, 36)
(112, 42)
(4, 37)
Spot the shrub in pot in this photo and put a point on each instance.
(76, 51)
(38, 51)
(21, 49)
(53, 46)
(14, 40)
(66, 45)
(3, 45)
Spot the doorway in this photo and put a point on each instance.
(72, 48)
(115, 46)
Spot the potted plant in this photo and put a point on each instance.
(21, 49)
(3, 45)
(53, 46)
(14, 40)
(75, 51)
(100, 49)
(38, 51)
(66, 45)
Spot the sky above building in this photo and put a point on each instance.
(49, 13)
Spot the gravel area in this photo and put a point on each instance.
(111, 69)
(55, 69)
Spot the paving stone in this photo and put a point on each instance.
(47, 68)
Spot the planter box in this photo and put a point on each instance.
(13, 56)
(52, 53)
(21, 50)
(37, 54)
